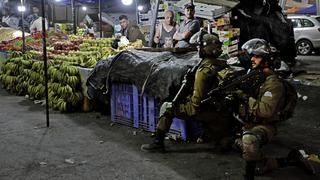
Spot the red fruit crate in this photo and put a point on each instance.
(124, 104)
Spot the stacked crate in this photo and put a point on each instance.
(124, 104)
(228, 35)
(130, 109)
(230, 40)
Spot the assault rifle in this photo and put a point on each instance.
(187, 83)
(245, 82)
(188, 78)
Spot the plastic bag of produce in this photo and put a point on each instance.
(7, 34)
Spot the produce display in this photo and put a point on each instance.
(23, 74)
(7, 34)
(33, 42)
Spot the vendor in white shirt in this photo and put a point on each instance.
(8, 19)
(37, 25)
(36, 21)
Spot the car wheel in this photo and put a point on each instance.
(304, 47)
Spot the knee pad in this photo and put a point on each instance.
(251, 146)
(166, 108)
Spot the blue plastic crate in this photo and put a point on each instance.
(179, 128)
(124, 104)
(150, 112)
(150, 115)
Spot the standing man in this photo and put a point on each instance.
(35, 15)
(206, 78)
(36, 21)
(165, 31)
(187, 28)
(131, 31)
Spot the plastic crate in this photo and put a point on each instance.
(149, 114)
(179, 129)
(124, 104)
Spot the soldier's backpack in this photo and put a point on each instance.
(291, 100)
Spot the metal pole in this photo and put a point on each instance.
(52, 12)
(154, 22)
(137, 12)
(318, 6)
(23, 34)
(283, 4)
(73, 9)
(45, 60)
(100, 19)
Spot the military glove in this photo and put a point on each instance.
(166, 109)
(243, 97)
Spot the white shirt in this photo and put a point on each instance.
(37, 25)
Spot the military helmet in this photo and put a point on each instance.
(260, 47)
(256, 46)
(211, 45)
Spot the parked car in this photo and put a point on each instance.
(306, 33)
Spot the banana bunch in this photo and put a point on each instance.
(75, 99)
(51, 97)
(38, 78)
(52, 71)
(73, 81)
(35, 53)
(26, 72)
(65, 90)
(10, 68)
(61, 105)
(15, 54)
(37, 66)
(36, 91)
(53, 86)
(9, 82)
(90, 63)
(22, 88)
(57, 103)
(22, 85)
(57, 76)
(27, 55)
(26, 64)
(72, 70)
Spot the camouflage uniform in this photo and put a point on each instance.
(206, 78)
(264, 110)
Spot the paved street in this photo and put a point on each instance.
(310, 63)
(89, 146)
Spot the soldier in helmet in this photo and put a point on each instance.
(206, 78)
(264, 107)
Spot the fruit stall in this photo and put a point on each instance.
(23, 73)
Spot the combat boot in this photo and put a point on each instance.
(249, 170)
(157, 145)
(296, 157)
(238, 145)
